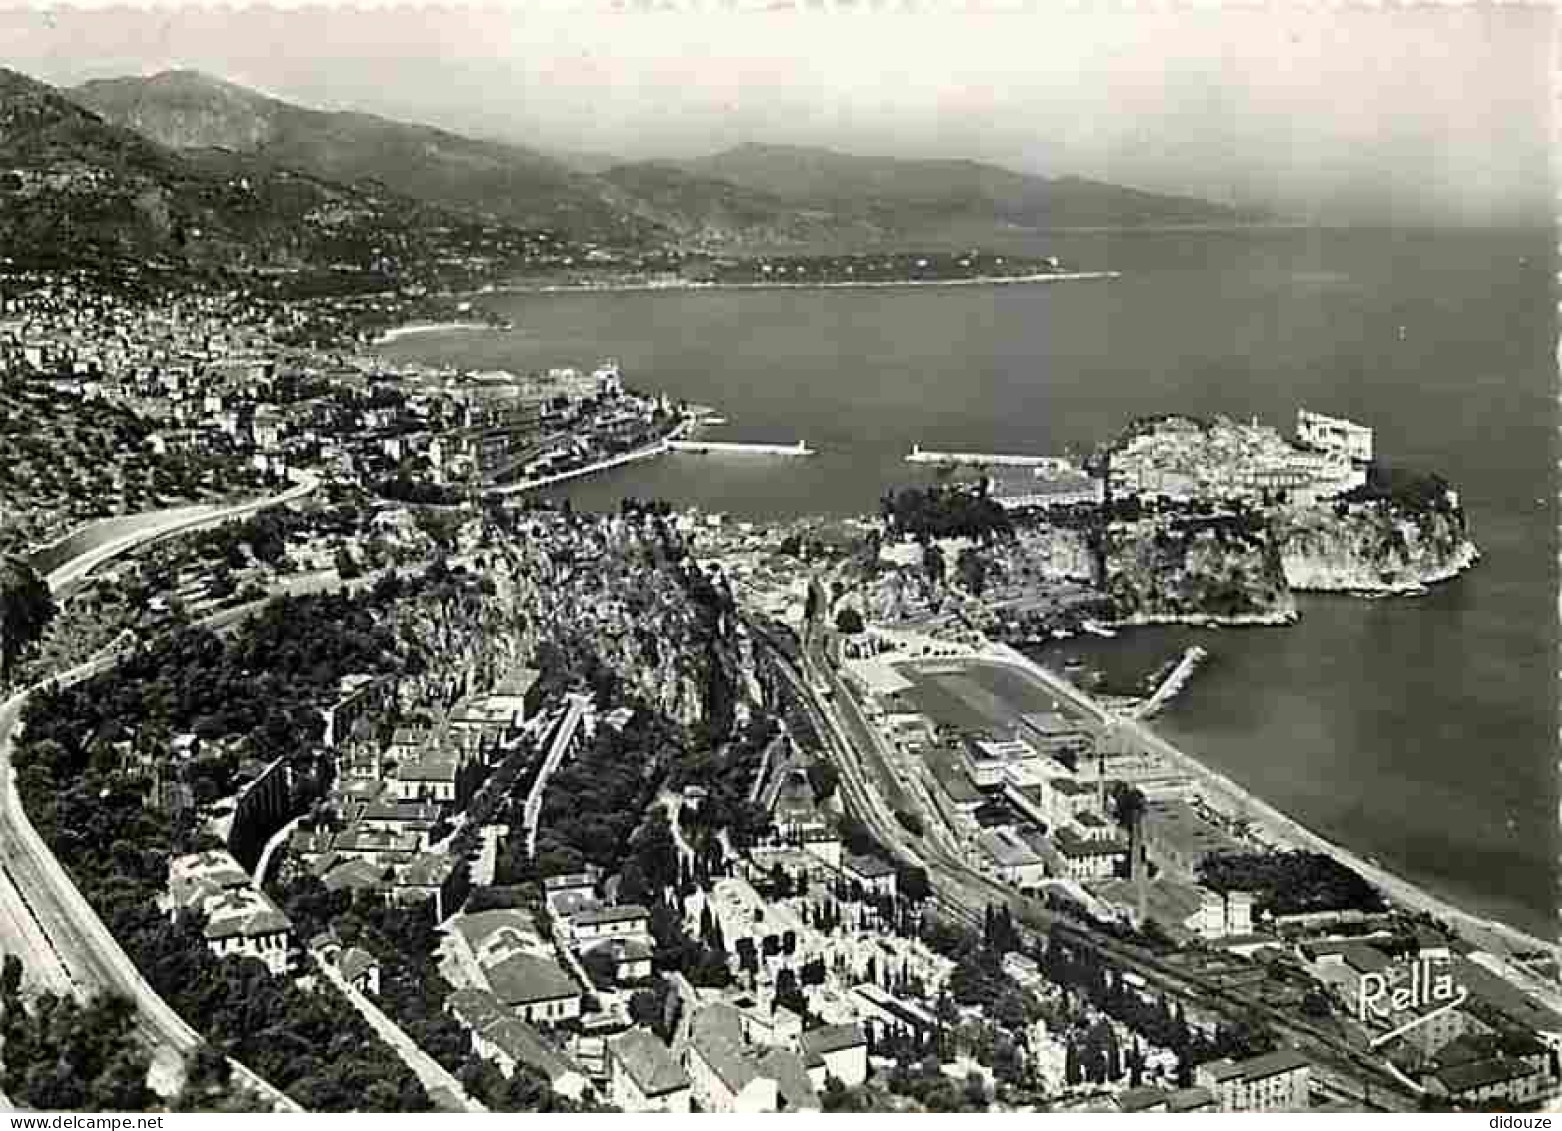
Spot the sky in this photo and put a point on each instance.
(1439, 113)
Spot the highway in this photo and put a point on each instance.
(52, 927)
(963, 893)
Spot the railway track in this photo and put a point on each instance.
(964, 894)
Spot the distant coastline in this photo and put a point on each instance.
(695, 285)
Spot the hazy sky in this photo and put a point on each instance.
(1404, 114)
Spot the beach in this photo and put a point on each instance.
(1279, 831)
(412, 329)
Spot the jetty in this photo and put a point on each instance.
(988, 459)
(1172, 684)
(702, 447)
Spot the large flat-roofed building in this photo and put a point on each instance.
(1015, 861)
(536, 988)
(1053, 734)
(1013, 488)
(1276, 1081)
(1333, 434)
(1179, 839)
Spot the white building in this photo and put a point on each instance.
(1334, 434)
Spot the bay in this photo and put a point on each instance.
(1421, 732)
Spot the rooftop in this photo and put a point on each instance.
(523, 979)
(626, 913)
(832, 1038)
(649, 1063)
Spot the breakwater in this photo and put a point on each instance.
(701, 447)
(988, 459)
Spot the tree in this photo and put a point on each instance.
(824, 778)
(11, 978)
(848, 622)
(347, 567)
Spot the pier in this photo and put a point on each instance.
(701, 447)
(988, 459)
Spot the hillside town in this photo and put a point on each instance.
(657, 810)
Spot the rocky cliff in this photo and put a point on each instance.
(1376, 541)
(1193, 568)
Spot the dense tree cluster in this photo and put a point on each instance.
(64, 1056)
(945, 512)
(1289, 883)
(25, 611)
(1411, 491)
(1078, 969)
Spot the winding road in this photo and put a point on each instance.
(44, 919)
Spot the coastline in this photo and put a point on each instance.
(1284, 832)
(649, 451)
(866, 284)
(1465, 558)
(1208, 620)
(412, 329)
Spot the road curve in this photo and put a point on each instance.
(79, 944)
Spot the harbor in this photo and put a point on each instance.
(722, 447)
(988, 459)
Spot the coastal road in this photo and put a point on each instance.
(75, 943)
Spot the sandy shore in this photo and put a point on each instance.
(413, 328)
(1273, 827)
(1283, 832)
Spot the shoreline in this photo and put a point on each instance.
(1208, 620)
(1466, 558)
(692, 285)
(413, 329)
(1285, 832)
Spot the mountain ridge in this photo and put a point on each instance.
(747, 197)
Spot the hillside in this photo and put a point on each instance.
(77, 188)
(751, 197)
(187, 110)
(902, 193)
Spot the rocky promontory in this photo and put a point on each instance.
(1396, 534)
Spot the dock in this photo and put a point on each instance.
(703, 447)
(988, 459)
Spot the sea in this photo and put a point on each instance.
(1421, 732)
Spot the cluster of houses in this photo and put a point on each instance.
(392, 798)
(1181, 459)
(240, 919)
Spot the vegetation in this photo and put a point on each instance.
(945, 512)
(26, 608)
(64, 1056)
(1291, 883)
(86, 794)
(1410, 491)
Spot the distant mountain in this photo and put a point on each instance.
(746, 199)
(902, 194)
(77, 188)
(189, 110)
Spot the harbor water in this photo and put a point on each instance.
(1418, 731)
